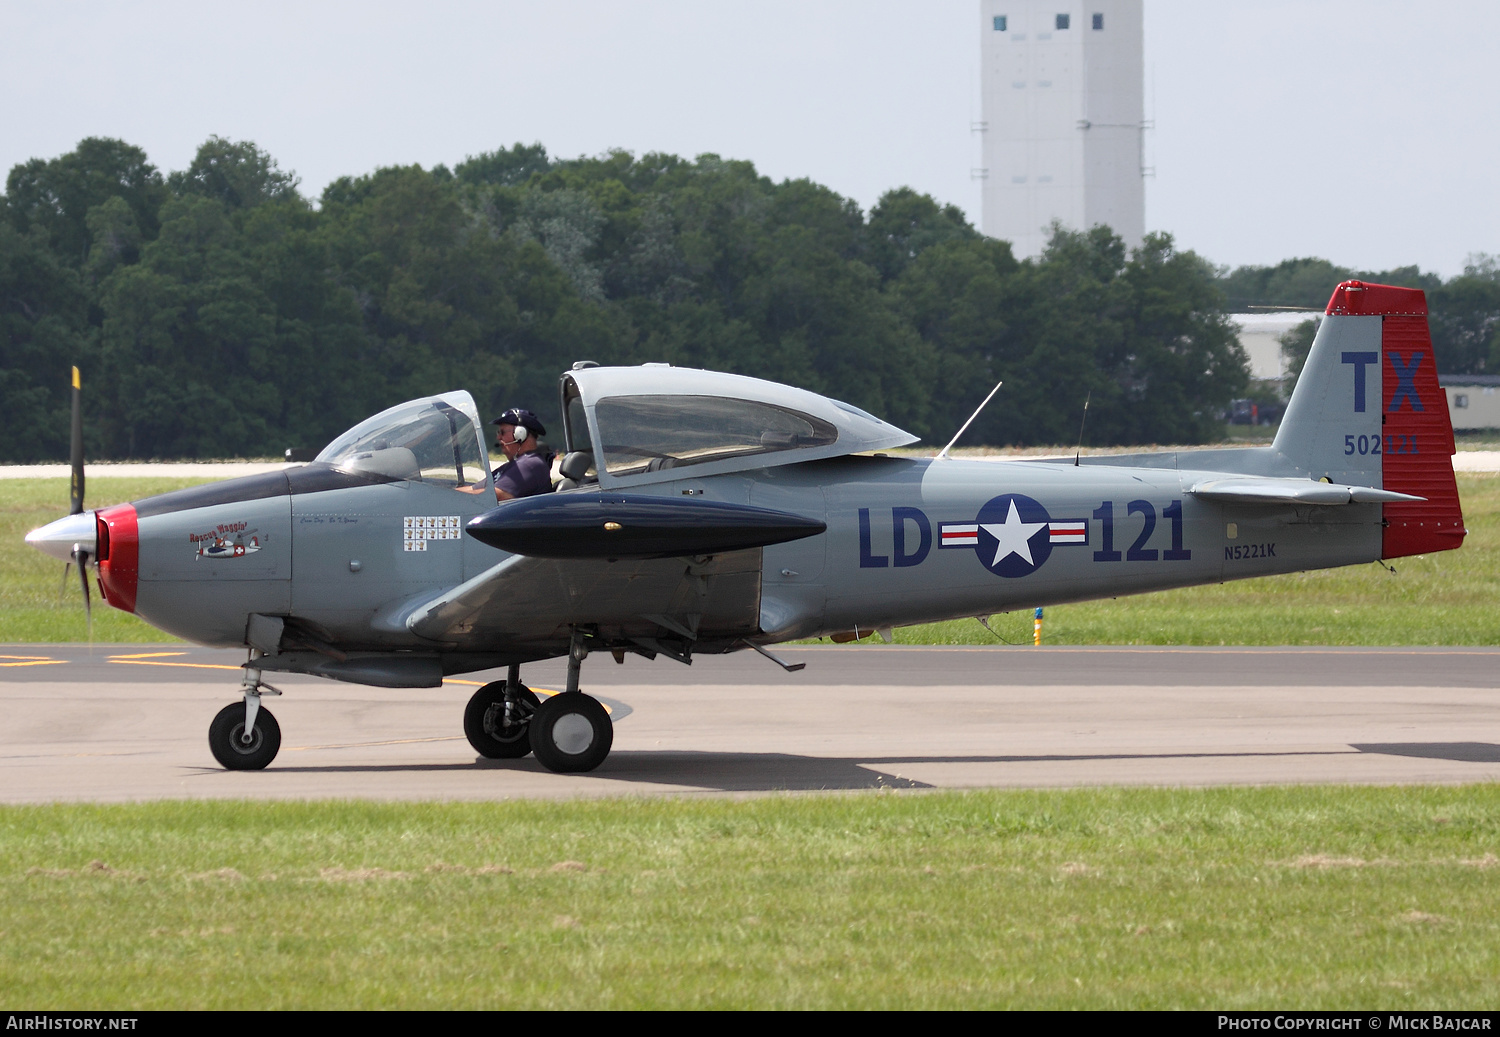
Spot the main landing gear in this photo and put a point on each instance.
(246, 737)
(570, 732)
(498, 718)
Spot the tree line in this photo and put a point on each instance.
(1463, 311)
(218, 312)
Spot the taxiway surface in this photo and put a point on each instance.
(121, 723)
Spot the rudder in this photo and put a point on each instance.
(1344, 425)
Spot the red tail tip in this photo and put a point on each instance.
(1356, 298)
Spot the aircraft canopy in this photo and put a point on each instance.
(437, 439)
(640, 421)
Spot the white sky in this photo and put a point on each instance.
(1362, 132)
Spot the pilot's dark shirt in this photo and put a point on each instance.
(528, 474)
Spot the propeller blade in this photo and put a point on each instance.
(75, 505)
(81, 558)
(64, 588)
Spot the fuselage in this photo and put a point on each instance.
(368, 551)
(907, 541)
(700, 512)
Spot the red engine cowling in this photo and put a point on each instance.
(119, 555)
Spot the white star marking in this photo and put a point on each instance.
(1014, 536)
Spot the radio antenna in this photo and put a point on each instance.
(943, 453)
(1077, 456)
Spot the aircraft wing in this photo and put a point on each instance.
(456, 611)
(1249, 489)
(531, 598)
(677, 567)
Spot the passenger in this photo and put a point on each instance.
(529, 468)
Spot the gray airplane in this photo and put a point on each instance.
(700, 513)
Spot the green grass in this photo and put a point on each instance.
(1135, 898)
(31, 609)
(1440, 599)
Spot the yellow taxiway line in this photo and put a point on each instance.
(32, 660)
(155, 659)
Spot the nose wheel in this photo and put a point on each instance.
(236, 750)
(245, 737)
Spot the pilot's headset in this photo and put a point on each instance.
(524, 421)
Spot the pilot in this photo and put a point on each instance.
(529, 468)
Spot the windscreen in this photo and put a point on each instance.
(428, 440)
(646, 433)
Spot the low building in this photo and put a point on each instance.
(1260, 335)
(1473, 400)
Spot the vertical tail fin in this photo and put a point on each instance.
(1367, 410)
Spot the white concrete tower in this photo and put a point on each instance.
(1063, 117)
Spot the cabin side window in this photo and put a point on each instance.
(575, 420)
(648, 433)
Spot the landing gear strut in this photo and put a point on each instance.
(497, 719)
(246, 737)
(571, 732)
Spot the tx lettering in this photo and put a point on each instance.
(1406, 383)
(1360, 360)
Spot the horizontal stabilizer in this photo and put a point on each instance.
(1252, 490)
(572, 525)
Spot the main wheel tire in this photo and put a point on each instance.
(226, 739)
(484, 722)
(571, 733)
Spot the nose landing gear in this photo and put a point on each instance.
(246, 737)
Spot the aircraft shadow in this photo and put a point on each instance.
(1462, 752)
(724, 772)
(786, 772)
